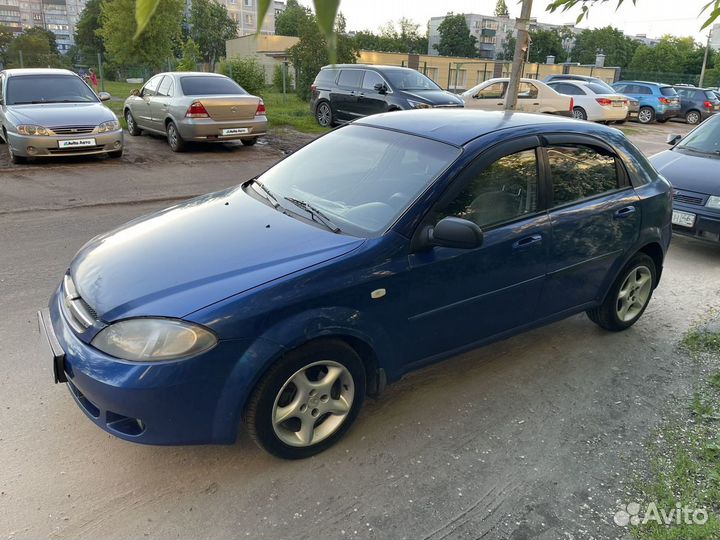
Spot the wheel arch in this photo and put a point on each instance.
(655, 252)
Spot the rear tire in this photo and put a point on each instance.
(249, 142)
(628, 297)
(579, 113)
(646, 115)
(176, 142)
(323, 114)
(693, 117)
(133, 128)
(317, 389)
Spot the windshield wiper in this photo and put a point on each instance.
(269, 195)
(315, 213)
(697, 150)
(41, 101)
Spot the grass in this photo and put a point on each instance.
(685, 455)
(295, 113)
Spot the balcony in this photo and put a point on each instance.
(488, 32)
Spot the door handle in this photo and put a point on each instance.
(528, 241)
(500, 103)
(624, 212)
(538, 103)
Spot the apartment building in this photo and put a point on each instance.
(58, 16)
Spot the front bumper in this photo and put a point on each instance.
(163, 403)
(707, 222)
(39, 146)
(207, 129)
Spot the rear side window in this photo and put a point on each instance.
(350, 78)
(527, 91)
(579, 172)
(569, 89)
(166, 87)
(668, 91)
(644, 90)
(208, 86)
(326, 76)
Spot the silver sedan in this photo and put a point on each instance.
(189, 106)
(53, 112)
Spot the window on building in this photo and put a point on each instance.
(248, 3)
(248, 18)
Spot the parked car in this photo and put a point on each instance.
(53, 112)
(307, 282)
(592, 101)
(697, 104)
(199, 107)
(692, 166)
(658, 102)
(573, 77)
(533, 96)
(343, 92)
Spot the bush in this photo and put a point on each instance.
(247, 72)
(278, 78)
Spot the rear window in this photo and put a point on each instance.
(326, 76)
(600, 89)
(208, 86)
(710, 95)
(668, 91)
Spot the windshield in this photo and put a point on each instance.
(207, 86)
(25, 89)
(409, 79)
(361, 178)
(601, 88)
(705, 138)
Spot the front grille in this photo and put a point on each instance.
(78, 150)
(77, 311)
(73, 130)
(688, 199)
(448, 106)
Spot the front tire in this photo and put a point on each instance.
(307, 400)
(175, 141)
(628, 297)
(14, 158)
(116, 154)
(579, 113)
(323, 114)
(692, 117)
(133, 128)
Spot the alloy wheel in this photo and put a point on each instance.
(324, 115)
(130, 122)
(579, 114)
(645, 116)
(172, 135)
(634, 293)
(313, 403)
(692, 117)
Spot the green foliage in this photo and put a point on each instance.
(247, 72)
(191, 56)
(153, 46)
(405, 40)
(617, 48)
(38, 48)
(311, 53)
(87, 40)
(455, 37)
(290, 111)
(501, 9)
(277, 80)
(144, 11)
(210, 27)
(6, 37)
(508, 47)
(544, 43)
(289, 21)
(697, 341)
(671, 55)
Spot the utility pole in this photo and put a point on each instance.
(702, 71)
(522, 44)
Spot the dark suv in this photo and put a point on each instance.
(344, 92)
(697, 104)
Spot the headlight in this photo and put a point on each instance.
(154, 340)
(713, 202)
(30, 129)
(111, 125)
(419, 104)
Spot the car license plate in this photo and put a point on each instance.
(235, 131)
(618, 104)
(76, 143)
(52, 346)
(633, 114)
(684, 219)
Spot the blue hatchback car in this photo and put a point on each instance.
(385, 245)
(658, 102)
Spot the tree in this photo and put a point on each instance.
(247, 72)
(6, 37)
(616, 46)
(455, 37)
(544, 43)
(210, 28)
(501, 9)
(671, 55)
(508, 47)
(191, 56)
(87, 40)
(289, 21)
(311, 53)
(38, 48)
(154, 46)
(407, 40)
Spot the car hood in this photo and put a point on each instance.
(61, 114)
(191, 255)
(688, 172)
(435, 97)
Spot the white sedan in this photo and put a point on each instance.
(594, 101)
(533, 96)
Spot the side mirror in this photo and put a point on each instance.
(380, 88)
(104, 96)
(673, 139)
(456, 232)
(135, 92)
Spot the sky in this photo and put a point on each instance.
(652, 17)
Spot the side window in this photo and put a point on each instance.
(371, 79)
(150, 88)
(506, 190)
(2, 82)
(494, 91)
(571, 90)
(644, 90)
(527, 91)
(166, 87)
(579, 172)
(350, 78)
(621, 88)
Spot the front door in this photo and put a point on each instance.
(490, 98)
(370, 100)
(160, 102)
(595, 216)
(459, 296)
(141, 106)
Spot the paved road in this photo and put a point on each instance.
(528, 438)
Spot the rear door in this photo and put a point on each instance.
(595, 217)
(529, 97)
(345, 96)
